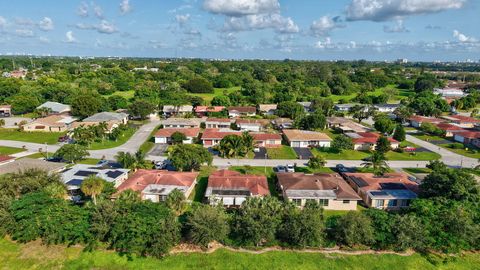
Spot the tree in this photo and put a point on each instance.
(178, 137)
(92, 186)
(2, 122)
(399, 134)
(409, 232)
(317, 162)
(207, 223)
(342, 142)
(231, 146)
(132, 161)
(303, 227)
(247, 142)
(187, 157)
(313, 121)
(85, 105)
(221, 101)
(403, 113)
(117, 102)
(377, 162)
(290, 109)
(384, 124)
(71, 152)
(141, 109)
(56, 190)
(354, 229)
(176, 202)
(198, 85)
(361, 112)
(383, 145)
(432, 129)
(452, 184)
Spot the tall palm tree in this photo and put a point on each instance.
(103, 128)
(176, 202)
(378, 162)
(248, 142)
(92, 186)
(231, 146)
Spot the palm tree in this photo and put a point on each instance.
(176, 202)
(56, 190)
(248, 142)
(129, 196)
(126, 160)
(231, 146)
(316, 162)
(377, 161)
(102, 129)
(92, 186)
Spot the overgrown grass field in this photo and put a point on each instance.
(33, 137)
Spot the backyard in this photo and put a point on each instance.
(36, 256)
(33, 137)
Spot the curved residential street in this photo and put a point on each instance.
(143, 133)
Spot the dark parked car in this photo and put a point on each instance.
(341, 168)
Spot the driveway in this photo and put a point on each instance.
(158, 150)
(303, 153)
(260, 154)
(12, 122)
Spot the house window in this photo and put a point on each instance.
(392, 203)
(405, 203)
(379, 203)
(346, 201)
(323, 202)
(297, 202)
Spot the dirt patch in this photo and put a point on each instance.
(37, 250)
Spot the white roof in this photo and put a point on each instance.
(55, 106)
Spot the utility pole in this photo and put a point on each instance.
(46, 150)
(265, 168)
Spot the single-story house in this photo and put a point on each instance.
(386, 108)
(202, 111)
(218, 122)
(453, 93)
(5, 110)
(242, 111)
(156, 185)
(450, 129)
(74, 176)
(267, 140)
(343, 107)
(231, 188)
(417, 120)
(462, 121)
(390, 191)
(305, 138)
(23, 164)
(345, 125)
(468, 138)
(213, 136)
(51, 123)
(170, 110)
(181, 123)
(366, 141)
(307, 105)
(283, 123)
(267, 109)
(112, 119)
(249, 125)
(328, 189)
(55, 107)
(164, 135)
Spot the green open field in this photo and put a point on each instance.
(33, 137)
(284, 152)
(217, 92)
(5, 150)
(36, 256)
(401, 94)
(125, 94)
(105, 144)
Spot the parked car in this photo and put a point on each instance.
(63, 139)
(290, 168)
(102, 162)
(55, 159)
(341, 168)
(281, 169)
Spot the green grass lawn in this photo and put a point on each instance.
(39, 155)
(36, 256)
(468, 152)
(198, 193)
(284, 152)
(329, 213)
(217, 92)
(33, 137)
(428, 138)
(259, 170)
(105, 144)
(332, 154)
(5, 150)
(392, 155)
(150, 142)
(125, 94)
(370, 170)
(401, 94)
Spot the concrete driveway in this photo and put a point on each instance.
(303, 153)
(12, 122)
(158, 150)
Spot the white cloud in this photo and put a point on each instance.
(399, 27)
(324, 25)
(44, 39)
(104, 27)
(24, 33)
(98, 11)
(82, 10)
(462, 37)
(125, 7)
(182, 19)
(323, 44)
(69, 37)
(239, 8)
(261, 21)
(3, 22)
(382, 10)
(46, 24)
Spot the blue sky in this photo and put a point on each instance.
(425, 30)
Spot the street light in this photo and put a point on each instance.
(265, 171)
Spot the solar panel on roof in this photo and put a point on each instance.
(85, 173)
(114, 174)
(359, 181)
(75, 182)
(378, 193)
(392, 186)
(230, 192)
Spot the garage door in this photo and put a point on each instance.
(295, 144)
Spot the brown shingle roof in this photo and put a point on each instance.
(305, 135)
(215, 133)
(243, 109)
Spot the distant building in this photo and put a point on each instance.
(51, 123)
(345, 125)
(156, 185)
(417, 120)
(450, 130)
(449, 93)
(327, 189)
(304, 138)
(283, 123)
(249, 125)
(462, 121)
(366, 141)
(468, 138)
(164, 135)
(213, 136)
(343, 107)
(231, 188)
(112, 119)
(386, 108)
(307, 106)
(5, 110)
(267, 140)
(181, 123)
(218, 122)
(170, 110)
(402, 61)
(390, 192)
(202, 111)
(267, 109)
(55, 107)
(242, 111)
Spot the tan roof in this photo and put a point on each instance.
(167, 132)
(320, 181)
(51, 120)
(267, 107)
(305, 135)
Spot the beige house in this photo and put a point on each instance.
(51, 123)
(305, 138)
(328, 189)
(112, 119)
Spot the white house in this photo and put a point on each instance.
(305, 138)
(164, 135)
